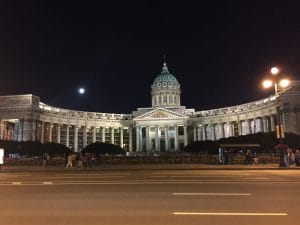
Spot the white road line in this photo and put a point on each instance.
(102, 182)
(47, 182)
(72, 177)
(226, 214)
(212, 194)
(16, 183)
(91, 174)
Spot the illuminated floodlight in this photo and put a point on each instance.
(274, 70)
(284, 83)
(267, 83)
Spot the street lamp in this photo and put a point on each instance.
(280, 86)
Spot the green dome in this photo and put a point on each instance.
(165, 80)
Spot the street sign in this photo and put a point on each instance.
(1, 156)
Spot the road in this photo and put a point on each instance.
(160, 197)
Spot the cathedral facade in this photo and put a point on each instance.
(165, 126)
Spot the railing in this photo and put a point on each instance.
(144, 159)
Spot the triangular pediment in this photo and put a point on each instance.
(160, 114)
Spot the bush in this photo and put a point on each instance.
(101, 148)
(267, 142)
(30, 148)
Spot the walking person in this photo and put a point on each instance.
(45, 159)
(70, 161)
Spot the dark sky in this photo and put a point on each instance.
(219, 51)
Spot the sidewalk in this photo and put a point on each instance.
(147, 167)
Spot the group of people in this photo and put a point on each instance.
(288, 157)
(226, 156)
(86, 160)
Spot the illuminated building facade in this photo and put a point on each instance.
(165, 126)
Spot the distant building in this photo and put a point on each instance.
(165, 126)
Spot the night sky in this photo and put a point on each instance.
(219, 51)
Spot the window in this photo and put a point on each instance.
(180, 131)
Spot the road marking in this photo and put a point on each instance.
(72, 177)
(227, 214)
(212, 194)
(47, 182)
(16, 183)
(140, 182)
(91, 174)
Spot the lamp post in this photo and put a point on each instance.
(283, 84)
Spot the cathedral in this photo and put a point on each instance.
(166, 126)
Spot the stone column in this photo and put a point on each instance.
(185, 135)
(58, 133)
(240, 129)
(42, 132)
(33, 131)
(222, 130)
(76, 138)
(112, 130)
(94, 135)
(227, 130)
(85, 136)
(168, 102)
(195, 133)
(254, 126)
(213, 133)
(121, 137)
(231, 129)
(67, 136)
(272, 120)
(266, 125)
(166, 138)
(50, 132)
(176, 137)
(103, 134)
(156, 139)
(141, 139)
(137, 139)
(147, 138)
(130, 139)
(249, 126)
(204, 132)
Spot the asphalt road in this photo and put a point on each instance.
(154, 197)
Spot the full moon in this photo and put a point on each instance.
(81, 91)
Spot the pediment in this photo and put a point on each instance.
(160, 114)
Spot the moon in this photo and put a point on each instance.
(81, 91)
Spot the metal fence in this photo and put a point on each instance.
(144, 159)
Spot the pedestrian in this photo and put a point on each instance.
(46, 157)
(255, 158)
(221, 155)
(248, 157)
(281, 158)
(286, 157)
(297, 157)
(79, 164)
(292, 157)
(70, 161)
(225, 156)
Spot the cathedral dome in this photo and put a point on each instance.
(165, 80)
(165, 89)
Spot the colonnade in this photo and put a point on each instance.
(216, 131)
(140, 138)
(74, 136)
